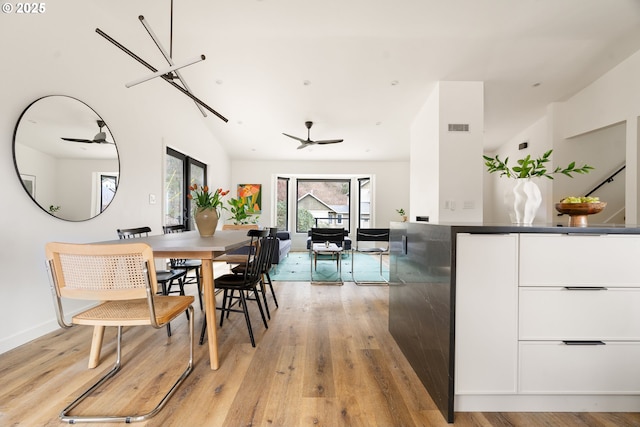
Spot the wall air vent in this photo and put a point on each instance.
(458, 127)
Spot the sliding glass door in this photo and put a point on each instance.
(181, 171)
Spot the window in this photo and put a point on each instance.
(282, 203)
(181, 172)
(364, 196)
(108, 185)
(322, 203)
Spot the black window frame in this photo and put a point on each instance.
(187, 162)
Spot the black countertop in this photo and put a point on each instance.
(498, 228)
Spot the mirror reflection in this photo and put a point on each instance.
(66, 158)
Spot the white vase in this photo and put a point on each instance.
(523, 201)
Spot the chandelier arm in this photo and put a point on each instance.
(167, 56)
(153, 69)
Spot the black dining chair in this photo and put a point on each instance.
(186, 264)
(165, 278)
(269, 244)
(247, 281)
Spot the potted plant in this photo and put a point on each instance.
(525, 198)
(402, 214)
(208, 208)
(239, 212)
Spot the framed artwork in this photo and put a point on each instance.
(251, 195)
(29, 182)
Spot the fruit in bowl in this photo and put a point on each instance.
(573, 199)
(578, 208)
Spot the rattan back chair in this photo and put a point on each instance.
(122, 280)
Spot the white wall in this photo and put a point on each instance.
(391, 186)
(539, 142)
(425, 160)
(62, 54)
(446, 171)
(612, 99)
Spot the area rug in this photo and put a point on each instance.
(296, 267)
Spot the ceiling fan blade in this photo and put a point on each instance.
(295, 137)
(303, 145)
(329, 141)
(86, 141)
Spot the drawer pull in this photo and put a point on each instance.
(568, 342)
(585, 288)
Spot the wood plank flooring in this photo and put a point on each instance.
(327, 359)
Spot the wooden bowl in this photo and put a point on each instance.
(578, 211)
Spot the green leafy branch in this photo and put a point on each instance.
(531, 168)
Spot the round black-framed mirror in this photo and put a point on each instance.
(66, 158)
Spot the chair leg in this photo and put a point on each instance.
(273, 294)
(199, 285)
(264, 319)
(165, 291)
(224, 309)
(203, 330)
(64, 414)
(264, 294)
(245, 310)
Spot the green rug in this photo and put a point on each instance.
(296, 267)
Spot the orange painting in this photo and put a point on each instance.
(251, 195)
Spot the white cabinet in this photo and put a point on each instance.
(486, 313)
(547, 322)
(568, 313)
(579, 314)
(558, 368)
(579, 260)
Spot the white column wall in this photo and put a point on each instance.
(446, 167)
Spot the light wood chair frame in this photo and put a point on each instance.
(137, 259)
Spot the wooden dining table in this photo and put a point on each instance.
(187, 245)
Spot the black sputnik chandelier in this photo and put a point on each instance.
(169, 73)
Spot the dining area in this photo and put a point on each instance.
(111, 271)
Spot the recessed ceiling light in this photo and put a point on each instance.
(394, 83)
(306, 83)
(219, 82)
(378, 123)
(239, 122)
(536, 84)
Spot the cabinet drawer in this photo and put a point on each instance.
(580, 260)
(550, 313)
(555, 367)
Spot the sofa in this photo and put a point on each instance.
(284, 246)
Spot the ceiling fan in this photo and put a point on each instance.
(100, 138)
(308, 141)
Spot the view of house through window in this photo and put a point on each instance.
(282, 201)
(364, 196)
(322, 203)
(180, 172)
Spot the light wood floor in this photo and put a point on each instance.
(327, 359)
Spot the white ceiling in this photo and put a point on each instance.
(260, 53)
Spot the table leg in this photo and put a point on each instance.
(96, 346)
(210, 311)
